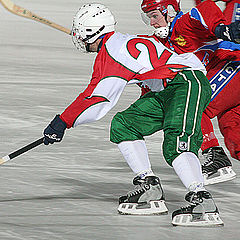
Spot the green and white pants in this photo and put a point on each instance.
(177, 110)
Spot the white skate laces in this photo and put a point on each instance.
(139, 189)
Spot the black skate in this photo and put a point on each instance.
(146, 199)
(217, 167)
(202, 211)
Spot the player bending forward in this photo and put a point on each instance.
(180, 93)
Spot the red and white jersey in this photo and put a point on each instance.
(120, 62)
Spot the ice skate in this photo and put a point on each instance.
(217, 167)
(202, 211)
(146, 199)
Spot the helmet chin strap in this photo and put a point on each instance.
(163, 32)
(88, 47)
(99, 45)
(94, 34)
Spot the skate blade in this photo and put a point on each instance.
(222, 175)
(198, 220)
(151, 208)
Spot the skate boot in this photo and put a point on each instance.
(146, 199)
(202, 211)
(217, 167)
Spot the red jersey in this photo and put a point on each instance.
(212, 54)
(231, 11)
(194, 29)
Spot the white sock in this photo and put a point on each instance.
(188, 168)
(136, 155)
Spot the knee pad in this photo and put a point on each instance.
(122, 130)
(117, 127)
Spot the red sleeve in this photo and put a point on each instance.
(231, 12)
(83, 101)
(211, 14)
(197, 2)
(193, 29)
(104, 67)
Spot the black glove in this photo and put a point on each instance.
(54, 131)
(229, 32)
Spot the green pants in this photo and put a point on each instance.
(177, 110)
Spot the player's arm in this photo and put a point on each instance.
(229, 32)
(210, 16)
(199, 1)
(97, 99)
(94, 102)
(207, 15)
(89, 106)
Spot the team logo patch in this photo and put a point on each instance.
(183, 146)
(180, 40)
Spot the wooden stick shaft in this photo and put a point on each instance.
(20, 11)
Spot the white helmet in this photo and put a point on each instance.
(90, 22)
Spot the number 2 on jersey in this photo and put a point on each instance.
(152, 51)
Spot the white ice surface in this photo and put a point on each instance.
(70, 191)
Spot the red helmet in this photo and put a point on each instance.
(149, 5)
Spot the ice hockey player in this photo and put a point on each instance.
(180, 93)
(197, 31)
(228, 108)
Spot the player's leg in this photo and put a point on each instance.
(182, 131)
(229, 124)
(217, 166)
(128, 129)
(209, 138)
(182, 140)
(225, 83)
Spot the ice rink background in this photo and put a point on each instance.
(70, 190)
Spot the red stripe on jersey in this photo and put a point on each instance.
(104, 66)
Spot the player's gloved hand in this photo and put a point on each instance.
(54, 131)
(229, 32)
